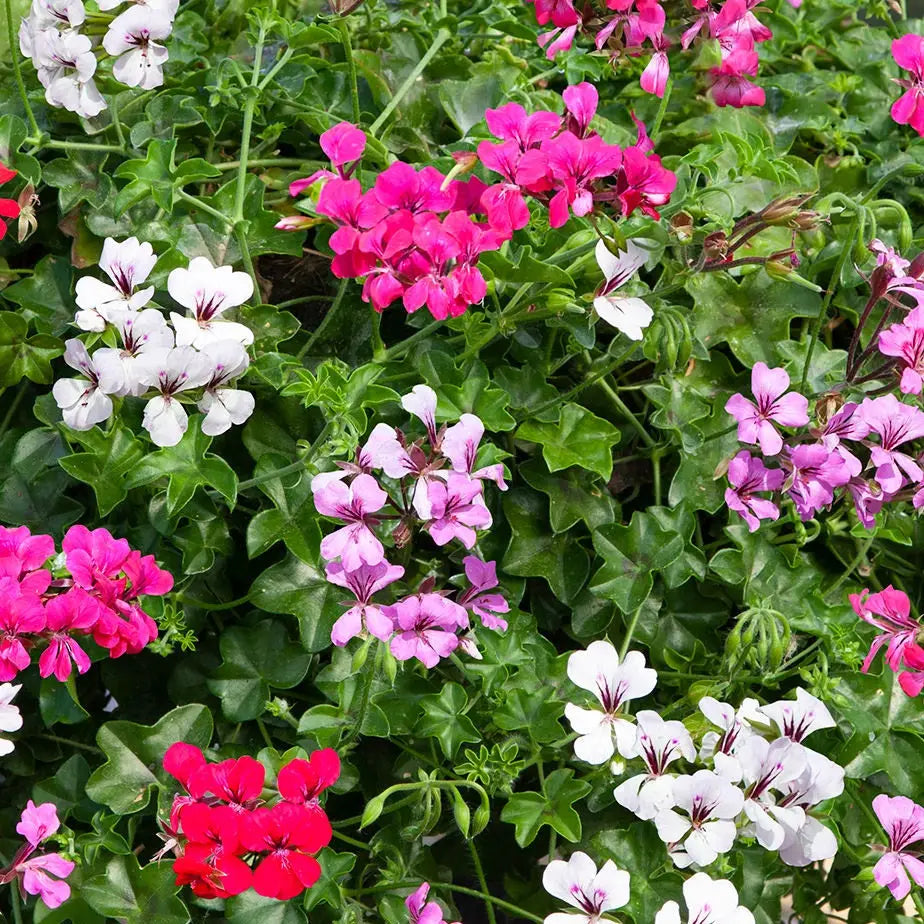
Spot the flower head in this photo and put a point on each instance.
(908, 109)
(578, 883)
(708, 901)
(771, 405)
(903, 821)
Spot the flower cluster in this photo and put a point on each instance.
(149, 357)
(420, 911)
(65, 58)
(579, 884)
(417, 235)
(40, 874)
(631, 28)
(890, 612)
(903, 821)
(229, 818)
(95, 592)
(760, 780)
(433, 484)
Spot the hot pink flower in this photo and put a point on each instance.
(581, 102)
(92, 556)
(511, 122)
(908, 109)
(363, 616)
(482, 576)
(425, 627)
(642, 183)
(813, 474)
(748, 475)
(755, 421)
(401, 187)
(21, 615)
(906, 342)
(895, 423)
(355, 544)
(458, 509)
(846, 424)
(38, 822)
(43, 875)
(890, 612)
(22, 556)
(74, 611)
(419, 910)
(903, 821)
(731, 86)
(868, 498)
(658, 69)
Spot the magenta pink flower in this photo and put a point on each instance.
(895, 423)
(93, 556)
(813, 474)
(344, 145)
(511, 122)
(482, 576)
(642, 183)
(419, 910)
(581, 102)
(40, 874)
(38, 822)
(458, 509)
(846, 424)
(747, 475)
(731, 86)
(425, 627)
(903, 821)
(908, 109)
(74, 611)
(22, 556)
(401, 187)
(21, 615)
(355, 544)
(890, 612)
(658, 69)
(868, 498)
(905, 341)
(363, 616)
(145, 577)
(755, 420)
(460, 442)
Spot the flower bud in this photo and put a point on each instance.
(916, 269)
(827, 406)
(681, 226)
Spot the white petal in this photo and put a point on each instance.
(629, 315)
(82, 404)
(669, 914)
(614, 883)
(165, 420)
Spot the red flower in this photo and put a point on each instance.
(9, 208)
(302, 781)
(290, 833)
(210, 862)
(182, 760)
(239, 782)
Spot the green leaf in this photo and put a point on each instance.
(67, 787)
(572, 496)
(465, 101)
(187, 466)
(13, 134)
(532, 711)
(526, 269)
(292, 520)
(255, 659)
(301, 590)
(578, 438)
(535, 551)
(108, 460)
(334, 867)
(530, 811)
(631, 555)
(22, 356)
(135, 895)
(444, 719)
(79, 177)
(158, 177)
(135, 753)
(250, 908)
(45, 298)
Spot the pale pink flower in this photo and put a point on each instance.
(355, 503)
(903, 821)
(425, 627)
(773, 405)
(363, 616)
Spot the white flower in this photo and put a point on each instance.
(131, 36)
(615, 684)
(128, 264)
(811, 841)
(578, 883)
(166, 8)
(735, 730)
(629, 315)
(708, 901)
(10, 719)
(421, 402)
(170, 372)
(66, 64)
(706, 828)
(82, 401)
(659, 744)
(207, 291)
(221, 405)
(48, 14)
(142, 332)
(797, 720)
(767, 767)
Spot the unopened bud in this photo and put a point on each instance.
(344, 7)
(805, 221)
(682, 227)
(781, 211)
(916, 269)
(296, 223)
(715, 246)
(402, 534)
(827, 406)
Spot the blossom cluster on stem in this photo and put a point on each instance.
(95, 592)
(418, 235)
(759, 779)
(636, 28)
(65, 58)
(197, 356)
(230, 831)
(431, 485)
(42, 874)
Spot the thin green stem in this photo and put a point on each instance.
(265, 734)
(352, 841)
(918, 903)
(630, 631)
(326, 321)
(250, 106)
(240, 235)
(17, 70)
(14, 891)
(347, 44)
(862, 552)
(624, 409)
(276, 68)
(399, 349)
(11, 408)
(829, 295)
(482, 881)
(506, 906)
(262, 162)
(202, 206)
(74, 744)
(378, 347)
(363, 705)
(662, 109)
(439, 40)
(80, 146)
(117, 121)
(270, 476)
(202, 605)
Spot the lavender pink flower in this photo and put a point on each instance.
(425, 627)
(771, 405)
(458, 509)
(355, 503)
(903, 821)
(748, 475)
(363, 616)
(905, 341)
(895, 423)
(908, 109)
(813, 474)
(482, 576)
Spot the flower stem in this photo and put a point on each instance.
(624, 409)
(202, 206)
(439, 40)
(482, 881)
(662, 109)
(630, 631)
(20, 85)
(74, 744)
(202, 605)
(14, 891)
(351, 66)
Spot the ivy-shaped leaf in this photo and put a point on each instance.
(134, 894)
(22, 356)
(530, 811)
(444, 719)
